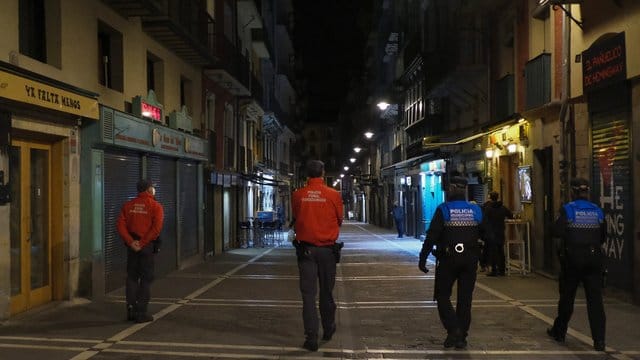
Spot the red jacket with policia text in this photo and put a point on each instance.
(318, 213)
(142, 217)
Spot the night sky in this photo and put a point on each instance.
(330, 38)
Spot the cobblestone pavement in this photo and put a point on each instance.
(245, 304)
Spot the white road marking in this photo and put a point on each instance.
(42, 347)
(137, 327)
(45, 339)
(118, 339)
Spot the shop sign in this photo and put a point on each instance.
(24, 90)
(436, 166)
(167, 141)
(148, 108)
(131, 133)
(194, 146)
(604, 63)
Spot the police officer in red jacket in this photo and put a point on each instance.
(139, 224)
(318, 214)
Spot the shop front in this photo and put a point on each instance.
(609, 105)
(117, 152)
(40, 120)
(431, 190)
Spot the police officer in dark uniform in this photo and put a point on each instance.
(582, 231)
(455, 229)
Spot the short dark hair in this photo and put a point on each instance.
(458, 181)
(580, 187)
(494, 195)
(143, 185)
(315, 168)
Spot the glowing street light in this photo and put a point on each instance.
(341, 175)
(382, 105)
(352, 160)
(346, 168)
(368, 134)
(357, 149)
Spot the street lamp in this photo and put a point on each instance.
(346, 168)
(382, 105)
(357, 149)
(368, 134)
(352, 160)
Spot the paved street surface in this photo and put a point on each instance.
(245, 304)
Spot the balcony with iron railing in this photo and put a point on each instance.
(232, 71)
(131, 8)
(184, 27)
(537, 74)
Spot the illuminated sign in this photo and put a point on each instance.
(150, 111)
(148, 108)
(604, 63)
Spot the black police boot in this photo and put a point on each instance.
(598, 345)
(131, 312)
(461, 341)
(311, 344)
(555, 334)
(329, 333)
(142, 316)
(450, 341)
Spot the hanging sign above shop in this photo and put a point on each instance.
(604, 63)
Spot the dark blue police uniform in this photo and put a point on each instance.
(455, 229)
(582, 231)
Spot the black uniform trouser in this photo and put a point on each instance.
(317, 265)
(582, 266)
(140, 275)
(461, 268)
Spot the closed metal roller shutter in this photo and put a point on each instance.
(188, 213)
(162, 172)
(121, 173)
(612, 179)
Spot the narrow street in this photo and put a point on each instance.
(245, 304)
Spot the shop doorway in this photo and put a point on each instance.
(544, 159)
(508, 188)
(31, 230)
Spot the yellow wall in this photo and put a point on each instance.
(79, 55)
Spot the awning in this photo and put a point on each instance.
(432, 145)
(411, 162)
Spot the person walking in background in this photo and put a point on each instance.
(582, 231)
(139, 225)
(455, 229)
(398, 217)
(318, 214)
(496, 213)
